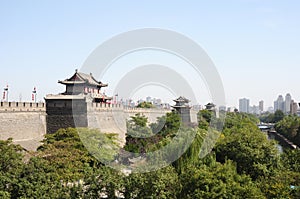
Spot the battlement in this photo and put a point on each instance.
(102, 106)
(145, 110)
(22, 107)
(111, 107)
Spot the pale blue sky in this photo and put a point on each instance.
(254, 44)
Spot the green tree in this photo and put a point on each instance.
(204, 118)
(272, 117)
(246, 145)
(145, 105)
(137, 127)
(39, 179)
(102, 146)
(217, 181)
(163, 183)
(267, 117)
(138, 120)
(191, 155)
(278, 185)
(11, 166)
(205, 115)
(171, 124)
(102, 181)
(291, 160)
(138, 134)
(289, 126)
(278, 115)
(141, 138)
(65, 151)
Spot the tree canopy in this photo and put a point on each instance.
(242, 164)
(289, 127)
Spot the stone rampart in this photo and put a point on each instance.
(22, 107)
(24, 122)
(111, 118)
(27, 122)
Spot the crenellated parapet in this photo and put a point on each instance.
(145, 110)
(151, 113)
(99, 106)
(22, 107)
(93, 106)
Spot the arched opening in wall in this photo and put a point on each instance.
(9, 104)
(1, 103)
(30, 104)
(17, 104)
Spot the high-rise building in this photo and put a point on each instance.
(254, 110)
(261, 106)
(244, 105)
(287, 103)
(275, 105)
(294, 107)
(148, 99)
(279, 104)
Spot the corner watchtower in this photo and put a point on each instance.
(86, 84)
(70, 108)
(183, 108)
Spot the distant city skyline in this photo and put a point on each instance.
(287, 105)
(254, 44)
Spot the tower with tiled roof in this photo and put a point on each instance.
(183, 108)
(82, 83)
(70, 108)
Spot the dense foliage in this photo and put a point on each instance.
(245, 144)
(142, 138)
(272, 117)
(242, 164)
(289, 126)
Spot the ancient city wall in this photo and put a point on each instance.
(194, 118)
(65, 113)
(21, 107)
(151, 114)
(110, 118)
(25, 122)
